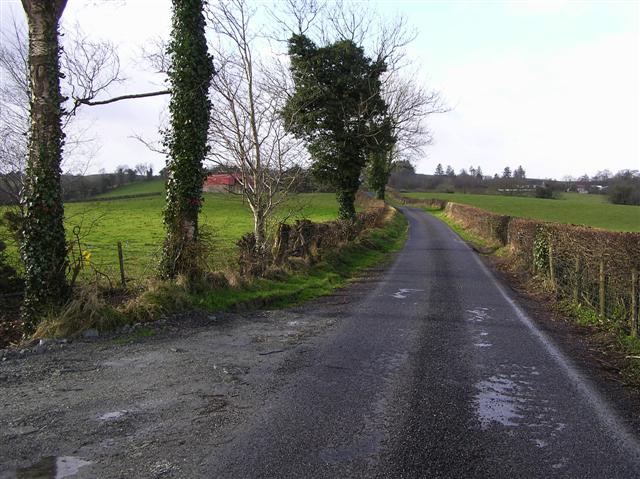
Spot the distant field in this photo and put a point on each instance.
(137, 223)
(138, 188)
(572, 208)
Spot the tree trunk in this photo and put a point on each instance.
(346, 205)
(190, 75)
(44, 247)
(380, 194)
(260, 229)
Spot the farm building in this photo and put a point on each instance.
(223, 183)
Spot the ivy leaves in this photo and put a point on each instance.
(186, 141)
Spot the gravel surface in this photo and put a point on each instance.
(425, 369)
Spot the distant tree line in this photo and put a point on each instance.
(467, 180)
(78, 187)
(622, 187)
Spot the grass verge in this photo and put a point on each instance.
(158, 298)
(334, 270)
(625, 347)
(477, 242)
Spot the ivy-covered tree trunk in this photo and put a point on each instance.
(346, 203)
(380, 166)
(186, 141)
(43, 247)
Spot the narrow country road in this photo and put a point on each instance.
(429, 370)
(437, 373)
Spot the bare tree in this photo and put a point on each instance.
(409, 105)
(88, 69)
(14, 112)
(143, 169)
(247, 129)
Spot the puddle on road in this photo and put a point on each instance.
(112, 416)
(404, 292)
(53, 467)
(478, 314)
(511, 398)
(497, 401)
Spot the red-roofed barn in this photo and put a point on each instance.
(222, 183)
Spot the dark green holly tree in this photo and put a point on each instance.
(337, 108)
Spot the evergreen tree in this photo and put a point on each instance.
(403, 165)
(337, 108)
(439, 170)
(450, 172)
(506, 172)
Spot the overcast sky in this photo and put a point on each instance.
(550, 85)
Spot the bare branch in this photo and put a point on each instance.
(156, 56)
(123, 97)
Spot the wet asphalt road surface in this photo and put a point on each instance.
(435, 373)
(423, 369)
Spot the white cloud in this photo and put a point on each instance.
(572, 112)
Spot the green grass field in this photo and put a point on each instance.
(572, 208)
(137, 223)
(138, 188)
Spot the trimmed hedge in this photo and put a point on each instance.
(486, 224)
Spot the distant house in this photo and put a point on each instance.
(582, 188)
(223, 183)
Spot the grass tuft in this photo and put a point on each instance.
(87, 310)
(157, 298)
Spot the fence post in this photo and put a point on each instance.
(552, 272)
(123, 281)
(634, 303)
(602, 289)
(281, 243)
(576, 281)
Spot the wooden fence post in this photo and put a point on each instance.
(282, 243)
(634, 303)
(602, 289)
(123, 281)
(552, 272)
(576, 281)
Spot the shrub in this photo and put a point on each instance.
(544, 192)
(625, 193)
